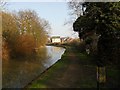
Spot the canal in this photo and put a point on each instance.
(18, 73)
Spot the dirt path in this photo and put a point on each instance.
(67, 73)
(70, 76)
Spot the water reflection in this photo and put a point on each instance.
(17, 73)
(54, 54)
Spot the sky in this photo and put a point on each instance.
(56, 13)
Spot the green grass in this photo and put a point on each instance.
(41, 83)
(113, 73)
(60, 66)
(86, 63)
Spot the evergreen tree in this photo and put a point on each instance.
(102, 18)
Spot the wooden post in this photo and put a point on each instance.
(101, 76)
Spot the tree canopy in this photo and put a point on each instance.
(102, 18)
(24, 31)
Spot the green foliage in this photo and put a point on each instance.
(82, 46)
(88, 40)
(103, 19)
(98, 17)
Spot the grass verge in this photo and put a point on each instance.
(53, 77)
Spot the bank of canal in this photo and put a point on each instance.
(17, 73)
(75, 70)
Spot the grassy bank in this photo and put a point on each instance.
(56, 76)
(75, 70)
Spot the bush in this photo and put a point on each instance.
(5, 51)
(23, 32)
(82, 46)
(25, 45)
(75, 42)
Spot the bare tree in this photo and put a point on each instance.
(2, 4)
(76, 7)
(29, 22)
(76, 10)
(23, 30)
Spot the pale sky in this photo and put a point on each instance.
(54, 12)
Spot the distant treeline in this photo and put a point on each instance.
(22, 33)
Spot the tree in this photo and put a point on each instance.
(102, 19)
(2, 4)
(76, 8)
(25, 45)
(29, 22)
(23, 31)
(9, 28)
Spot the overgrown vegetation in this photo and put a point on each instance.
(5, 51)
(100, 20)
(98, 25)
(23, 31)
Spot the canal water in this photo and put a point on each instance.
(18, 73)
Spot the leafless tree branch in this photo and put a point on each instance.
(2, 4)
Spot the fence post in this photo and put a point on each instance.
(101, 76)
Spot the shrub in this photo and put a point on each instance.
(25, 45)
(5, 51)
(75, 42)
(82, 46)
